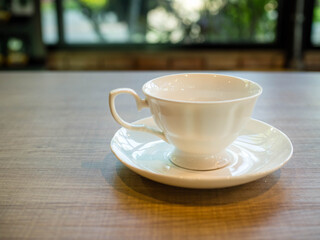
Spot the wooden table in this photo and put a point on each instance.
(59, 179)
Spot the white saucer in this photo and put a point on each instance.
(259, 150)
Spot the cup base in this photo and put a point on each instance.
(201, 162)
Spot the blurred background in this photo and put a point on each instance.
(268, 35)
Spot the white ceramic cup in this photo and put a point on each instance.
(200, 114)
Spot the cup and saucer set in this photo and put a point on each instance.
(200, 134)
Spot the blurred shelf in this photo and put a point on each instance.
(20, 35)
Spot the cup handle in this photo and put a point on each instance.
(141, 103)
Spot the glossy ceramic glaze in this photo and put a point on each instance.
(199, 114)
(259, 150)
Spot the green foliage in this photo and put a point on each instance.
(214, 21)
(70, 4)
(46, 6)
(94, 4)
(248, 19)
(316, 14)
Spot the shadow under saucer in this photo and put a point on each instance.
(214, 210)
(132, 183)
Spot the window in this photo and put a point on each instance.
(163, 22)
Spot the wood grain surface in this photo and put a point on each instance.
(59, 179)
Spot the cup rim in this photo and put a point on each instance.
(203, 102)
